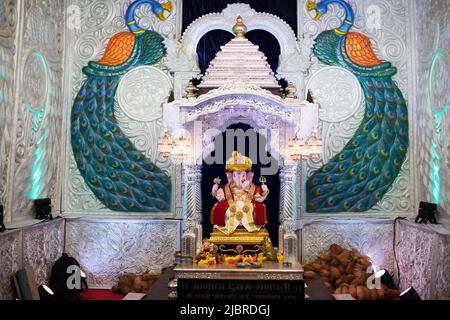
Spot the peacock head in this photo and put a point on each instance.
(162, 11)
(327, 43)
(321, 8)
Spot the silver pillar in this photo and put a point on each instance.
(192, 210)
(288, 242)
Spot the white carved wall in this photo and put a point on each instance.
(372, 237)
(342, 108)
(31, 72)
(342, 111)
(98, 21)
(422, 252)
(43, 30)
(8, 49)
(432, 36)
(37, 247)
(388, 24)
(106, 249)
(30, 103)
(10, 261)
(424, 257)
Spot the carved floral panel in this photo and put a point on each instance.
(10, 261)
(433, 117)
(107, 249)
(37, 247)
(8, 48)
(42, 246)
(38, 117)
(373, 238)
(442, 273)
(423, 257)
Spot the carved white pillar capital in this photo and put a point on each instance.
(192, 173)
(288, 173)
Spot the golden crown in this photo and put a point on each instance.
(238, 162)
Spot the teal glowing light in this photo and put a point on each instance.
(435, 173)
(39, 166)
(3, 76)
(438, 117)
(436, 144)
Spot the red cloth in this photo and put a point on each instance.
(99, 294)
(218, 213)
(219, 210)
(259, 213)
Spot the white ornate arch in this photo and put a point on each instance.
(295, 54)
(252, 19)
(249, 104)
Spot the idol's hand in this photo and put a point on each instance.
(259, 198)
(214, 189)
(265, 189)
(220, 195)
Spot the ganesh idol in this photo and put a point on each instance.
(240, 201)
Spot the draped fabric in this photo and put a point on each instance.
(210, 43)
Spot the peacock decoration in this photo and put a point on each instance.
(120, 176)
(357, 178)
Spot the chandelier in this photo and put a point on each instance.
(178, 149)
(181, 148)
(165, 145)
(301, 149)
(315, 145)
(296, 148)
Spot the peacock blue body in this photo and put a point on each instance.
(357, 178)
(119, 175)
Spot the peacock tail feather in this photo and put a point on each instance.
(119, 175)
(358, 177)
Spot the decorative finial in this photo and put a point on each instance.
(239, 29)
(291, 91)
(191, 90)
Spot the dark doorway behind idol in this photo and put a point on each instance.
(212, 171)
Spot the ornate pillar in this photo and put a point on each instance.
(288, 213)
(192, 210)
